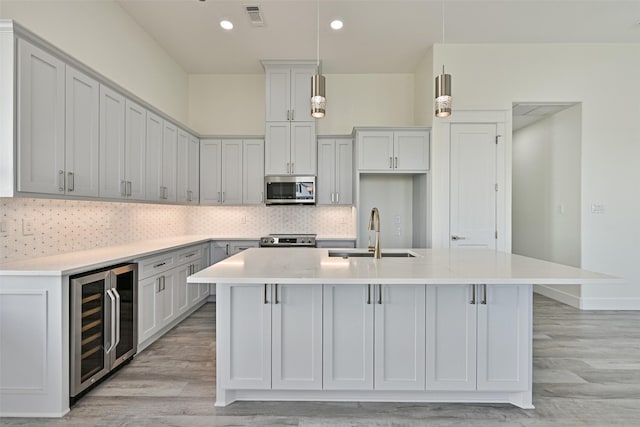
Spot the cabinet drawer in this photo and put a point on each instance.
(189, 254)
(156, 264)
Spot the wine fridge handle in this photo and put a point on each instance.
(112, 341)
(115, 292)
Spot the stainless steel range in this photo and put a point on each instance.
(288, 241)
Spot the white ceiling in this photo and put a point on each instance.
(379, 36)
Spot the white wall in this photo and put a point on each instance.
(104, 37)
(424, 100)
(221, 104)
(546, 194)
(598, 76)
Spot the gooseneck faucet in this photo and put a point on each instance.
(374, 225)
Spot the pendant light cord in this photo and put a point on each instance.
(318, 34)
(442, 21)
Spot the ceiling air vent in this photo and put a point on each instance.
(255, 15)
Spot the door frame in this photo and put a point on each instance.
(441, 166)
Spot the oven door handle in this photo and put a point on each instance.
(117, 295)
(112, 340)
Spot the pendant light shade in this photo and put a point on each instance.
(318, 100)
(443, 95)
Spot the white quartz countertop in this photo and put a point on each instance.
(429, 266)
(78, 262)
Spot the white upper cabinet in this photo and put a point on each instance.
(253, 172)
(154, 190)
(210, 175)
(81, 134)
(113, 183)
(231, 172)
(289, 92)
(135, 150)
(188, 167)
(335, 171)
(290, 148)
(41, 121)
(169, 160)
(393, 150)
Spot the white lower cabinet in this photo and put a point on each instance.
(478, 337)
(374, 337)
(273, 335)
(164, 296)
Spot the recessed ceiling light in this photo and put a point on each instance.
(337, 24)
(227, 25)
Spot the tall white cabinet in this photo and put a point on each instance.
(290, 131)
(162, 149)
(335, 171)
(188, 168)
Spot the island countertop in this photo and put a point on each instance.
(428, 266)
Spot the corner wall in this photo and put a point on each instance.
(546, 195)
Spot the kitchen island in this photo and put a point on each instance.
(419, 325)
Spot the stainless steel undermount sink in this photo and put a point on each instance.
(367, 254)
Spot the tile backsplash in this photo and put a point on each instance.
(40, 227)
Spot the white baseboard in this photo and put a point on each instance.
(558, 295)
(588, 303)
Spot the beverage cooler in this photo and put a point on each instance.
(103, 324)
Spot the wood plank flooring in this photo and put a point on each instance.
(586, 372)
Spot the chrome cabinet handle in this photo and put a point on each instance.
(112, 341)
(123, 188)
(265, 294)
(276, 298)
(293, 114)
(369, 294)
(128, 188)
(60, 180)
(332, 197)
(390, 162)
(223, 197)
(337, 197)
(484, 295)
(395, 165)
(288, 168)
(115, 292)
(380, 294)
(454, 237)
(288, 114)
(293, 168)
(473, 295)
(227, 249)
(159, 265)
(70, 183)
(190, 255)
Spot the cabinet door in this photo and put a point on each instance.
(303, 148)
(231, 172)
(245, 336)
(277, 160)
(504, 337)
(112, 144)
(278, 94)
(182, 167)
(194, 170)
(41, 121)
(182, 300)
(154, 157)
(81, 131)
(148, 307)
(167, 296)
(399, 337)
(325, 188)
(344, 172)
(301, 94)
(297, 337)
(347, 337)
(193, 289)
(210, 174)
(411, 150)
(375, 150)
(169, 162)
(135, 150)
(451, 337)
(253, 172)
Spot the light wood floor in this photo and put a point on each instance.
(586, 372)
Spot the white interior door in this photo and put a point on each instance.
(473, 186)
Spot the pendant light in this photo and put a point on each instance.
(443, 86)
(318, 100)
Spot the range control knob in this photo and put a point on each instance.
(272, 240)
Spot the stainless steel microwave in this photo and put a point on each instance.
(290, 190)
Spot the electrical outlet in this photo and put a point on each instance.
(27, 227)
(397, 220)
